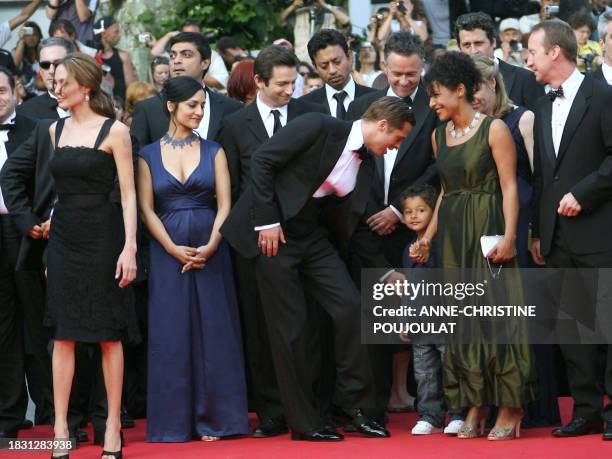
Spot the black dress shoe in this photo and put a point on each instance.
(366, 426)
(26, 424)
(325, 434)
(79, 435)
(607, 435)
(578, 427)
(270, 428)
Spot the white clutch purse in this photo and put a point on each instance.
(486, 244)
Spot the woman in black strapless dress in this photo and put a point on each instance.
(91, 253)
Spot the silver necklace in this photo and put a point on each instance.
(179, 143)
(456, 134)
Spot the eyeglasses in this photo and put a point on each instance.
(45, 65)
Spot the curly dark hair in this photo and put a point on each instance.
(426, 192)
(452, 69)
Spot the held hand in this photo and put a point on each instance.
(382, 222)
(184, 254)
(298, 3)
(392, 8)
(506, 49)
(538, 259)
(202, 254)
(36, 232)
(419, 251)
(46, 228)
(126, 267)
(503, 251)
(568, 206)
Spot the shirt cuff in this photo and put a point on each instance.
(265, 227)
(396, 212)
(387, 274)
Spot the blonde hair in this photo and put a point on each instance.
(137, 91)
(87, 72)
(489, 70)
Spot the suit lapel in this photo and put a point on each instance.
(216, 114)
(293, 110)
(421, 110)
(255, 123)
(577, 111)
(546, 130)
(509, 75)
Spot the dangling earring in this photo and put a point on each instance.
(86, 97)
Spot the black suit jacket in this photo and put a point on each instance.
(598, 75)
(39, 107)
(319, 96)
(244, 131)
(150, 120)
(415, 159)
(27, 187)
(285, 173)
(583, 167)
(521, 85)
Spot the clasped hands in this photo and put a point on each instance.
(192, 257)
(40, 231)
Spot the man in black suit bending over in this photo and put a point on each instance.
(572, 225)
(45, 106)
(333, 60)
(21, 292)
(243, 133)
(305, 166)
(413, 162)
(475, 33)
(189, 55)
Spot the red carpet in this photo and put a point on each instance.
(533, 444)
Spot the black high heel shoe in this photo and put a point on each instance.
(115, 454)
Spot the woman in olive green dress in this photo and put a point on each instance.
(476, 161)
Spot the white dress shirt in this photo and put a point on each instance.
(267, 117)
(3, 157)
(607, 72)
(390, 157)
(203, 127)
(343, 177)
(349, 88)
(60, 111)
(561, 106)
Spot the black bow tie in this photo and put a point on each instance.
(362, 152)
(554, 93)
(6, 127)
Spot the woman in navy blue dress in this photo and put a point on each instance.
(196, 383)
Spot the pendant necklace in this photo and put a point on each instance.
(461, 133)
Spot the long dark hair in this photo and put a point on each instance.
(87, 72)
(32, 53)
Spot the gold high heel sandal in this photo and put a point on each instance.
(474, 430)
(507, 433)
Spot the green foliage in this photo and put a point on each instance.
(252, 22)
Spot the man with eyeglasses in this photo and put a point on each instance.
(51, 50)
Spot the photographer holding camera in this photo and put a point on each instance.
(404, 15)
(307, 17)
(589, 52)
(510, 46)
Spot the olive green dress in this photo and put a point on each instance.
(477, 374)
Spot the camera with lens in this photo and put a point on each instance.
(552, 10)
(515, 45)
(401, 7)
(588, 61)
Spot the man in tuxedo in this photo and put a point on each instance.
(21, 292)
(413, 162)
(572, 227)
(45, 106)
(243, 133)
(475, 33)
(189, 55)
(605, 41)
(302, 169)
(333, 61)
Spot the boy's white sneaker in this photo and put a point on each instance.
(425, 428)
(453, 427)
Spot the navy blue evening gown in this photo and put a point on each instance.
(196, 382)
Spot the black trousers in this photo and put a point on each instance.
(14, 292)
(584, 362)
(309, 262)
(264, 394)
